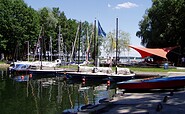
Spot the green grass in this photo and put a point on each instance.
(136, 69)
(155, 69)
(2, 62)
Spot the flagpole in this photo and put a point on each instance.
(97, 54)
(95, 42)
(116, 44)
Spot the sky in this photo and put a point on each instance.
(128, 12)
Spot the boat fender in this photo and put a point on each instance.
(83, 80)
(108, 82)
(58, 61)
(30, 75)
(159, 107)
(22, 77)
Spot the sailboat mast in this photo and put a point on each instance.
(116, 43)
(41, 49)
(51, 53)
(95, 58)
(59, 41)
(79, 44)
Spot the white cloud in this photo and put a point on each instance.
(126, 5)
(109, 5)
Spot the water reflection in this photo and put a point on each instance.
(25, 94)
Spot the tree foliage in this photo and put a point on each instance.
(163, 24)
(110, 43)
(19, 23)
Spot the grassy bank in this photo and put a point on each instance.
(135, 69)
(155, 69)
(138, 69)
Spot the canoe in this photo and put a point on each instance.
(154, 83)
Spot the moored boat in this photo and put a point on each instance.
(21, 68)
(101, 73)
(154, 83)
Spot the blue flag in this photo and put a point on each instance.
(101, 31)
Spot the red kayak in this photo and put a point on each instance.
(155, 83)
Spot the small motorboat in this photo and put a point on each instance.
(153, 83)
(21, 68)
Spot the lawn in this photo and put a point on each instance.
(155, 69)
(135, 69)
(139, 69)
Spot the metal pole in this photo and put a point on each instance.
(79, 44)
(28, 51)
(95, 43)
(59, 41)
(41, 50)
(51, 51)
(116, 43)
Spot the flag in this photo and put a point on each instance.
(101, 31)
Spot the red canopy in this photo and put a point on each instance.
(145, 52)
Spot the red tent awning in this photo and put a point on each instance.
(145, 52)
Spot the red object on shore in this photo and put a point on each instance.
(145, 52)
(108, 82)
(155, 83)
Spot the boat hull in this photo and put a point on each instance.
(99, 76)
(158, 83)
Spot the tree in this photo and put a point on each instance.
(163, 24)
(110, 43)
(19, 23)
(124, 42)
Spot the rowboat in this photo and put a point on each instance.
(154, 83)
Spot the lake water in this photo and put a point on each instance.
(54, 95)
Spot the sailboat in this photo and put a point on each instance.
(96, 72)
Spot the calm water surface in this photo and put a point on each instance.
(54, 95)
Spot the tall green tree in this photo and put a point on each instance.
(163, 24)
(123, 43)
(48, 24)
(19, 23)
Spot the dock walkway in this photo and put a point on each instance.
(148, 103)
